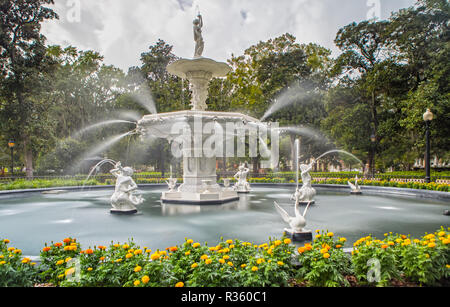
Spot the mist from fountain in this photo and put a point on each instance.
(340, 151)
(96, 167)
(100, 124)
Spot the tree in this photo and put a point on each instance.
(22, 63)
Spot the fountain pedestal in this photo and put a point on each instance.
(303, 236)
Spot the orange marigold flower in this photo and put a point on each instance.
(179, 284)
(129, 255)
(208, 261)
(89, 251)
(145, 279)
(287, 241)
(138, 269)
(138, 252)
(326, 255)
(155, 256)
(6, 241)
(173, 249)
(46, 249)
(67, 240)
(301, 250)
(254, 269)
(384, 246)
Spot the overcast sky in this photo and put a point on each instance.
(121, 30)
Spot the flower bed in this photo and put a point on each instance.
(234, 263)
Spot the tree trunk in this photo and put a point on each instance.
(28, 154)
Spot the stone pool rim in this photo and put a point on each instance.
(367, 190)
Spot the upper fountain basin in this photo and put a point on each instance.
(181, 67)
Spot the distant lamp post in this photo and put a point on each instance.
(427, 117)
(373, 139)
(11, 145)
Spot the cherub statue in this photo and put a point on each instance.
(199, 44)
(242, 185)
(124, 199)
(306, 193)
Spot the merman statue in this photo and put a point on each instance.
(306, 193)
(124, 198)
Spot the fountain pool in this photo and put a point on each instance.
(31, 219)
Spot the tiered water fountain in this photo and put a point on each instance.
(188, 129)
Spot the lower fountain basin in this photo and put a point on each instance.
(31, 219)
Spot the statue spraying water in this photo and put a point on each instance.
(124, 199)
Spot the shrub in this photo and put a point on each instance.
(324, 263)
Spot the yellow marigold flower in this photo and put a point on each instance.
(67, 259)
(18, 251)
(222, 261)
(287, 241)
(447, 266)
(163, 253)
(59, 262)
(155, 256)
(326, 255)
(330, 234)
(2, 262)
(432, 244)
(445, 241)
(317, 230)
(179, 284)
(137, 283)
(260, 260)
(195, 245)
(187, 253)
(269, 251)
(208, 261)
(67, 248)
(148, 251)
(129, 255)
(90, 269)
(280, 263)
(138, 252)
(125, 246)
(342, 239)
(1, 256)
(145, 279)
(323, 250)
(138, 269)
(243, 265)
(203, 257)
(416, 241)
(225, 250)
(116, 245)
(231, 246)
(277, 242)
(226, 257)
(10, 249)
(26, 260)
(69, 271)
(427, 255)
(230, 263)
(194, 265)
(441, 233)
(6, 241)
(61, 276)
(318, 236)
(189, 241)
(391, 243)
(119, 260)
(229, 241)
(254, 269)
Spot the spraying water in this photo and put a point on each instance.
(144, 98)
(340, 151)
(100, 124)
(97, 167)
(297, 93)
(101, 147)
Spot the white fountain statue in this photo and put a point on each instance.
(355, 188)
(242, 185)
(124, 198)
(297, 223)
(199, 184)
(306, 193)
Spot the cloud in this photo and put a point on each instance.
(122, 30)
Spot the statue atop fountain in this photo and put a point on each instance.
(242, 186)
(199, 43)
(124, 198)
(355, 188)
(306, 193)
